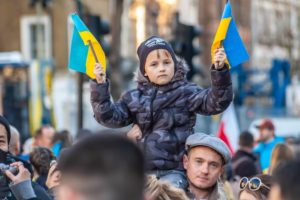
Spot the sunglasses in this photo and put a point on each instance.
(253, 184)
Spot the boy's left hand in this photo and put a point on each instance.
(219, 58)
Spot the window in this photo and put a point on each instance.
(33, 30)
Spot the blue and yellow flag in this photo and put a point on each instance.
(81, 54)
(228, 36)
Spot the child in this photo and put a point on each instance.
(164, 105)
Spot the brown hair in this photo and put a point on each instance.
(263, 192)
(160, 190)
(280, 154)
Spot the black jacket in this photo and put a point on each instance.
(165, 114)
(244, 164)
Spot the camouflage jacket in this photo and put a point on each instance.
(165, 114)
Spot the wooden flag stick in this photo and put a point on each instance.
(93, 50)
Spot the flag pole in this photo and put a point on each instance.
(93, 51)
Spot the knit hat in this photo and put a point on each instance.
(5, 123)
(151, 44)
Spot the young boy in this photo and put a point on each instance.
(164, 105)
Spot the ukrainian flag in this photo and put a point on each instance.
(81, 54)
(228, 37)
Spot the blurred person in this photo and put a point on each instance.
(163, 106)
(14, 144)
(243, 162)
(162, 190)
(53, 179)
(287, 182)
(281, 154)
(40, 158)
(27, 148)
(44, 136)
(6, 158)
(101, 167)
(61, 140)
(204, 163)
(255, 188)
(267, 141)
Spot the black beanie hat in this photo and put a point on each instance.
(150, 44)
(5, 123)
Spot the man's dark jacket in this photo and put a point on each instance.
(165, 114)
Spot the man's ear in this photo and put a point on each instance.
(185, 161)
(222, 170)
(145, 74)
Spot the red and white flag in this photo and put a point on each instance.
(229, 128)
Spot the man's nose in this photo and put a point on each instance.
(204, 168)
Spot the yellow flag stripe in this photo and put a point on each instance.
(220, 35)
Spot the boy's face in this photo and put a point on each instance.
(159, 67)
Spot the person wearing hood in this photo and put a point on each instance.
(17, 185)
(164, 105)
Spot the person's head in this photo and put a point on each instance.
(44, 136)
(205, 159)
(102, 166)
(14, 144)
(266, 130)
(246, 140)
(4, 134)
(157, 60)
(161, 190)
(40, 158)
(287, 182)
(64, 137)
(280, 154)
(255, 188)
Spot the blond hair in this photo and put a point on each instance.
(161, 190)
(280, 154)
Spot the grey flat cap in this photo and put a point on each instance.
(215, 143)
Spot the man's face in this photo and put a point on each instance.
(3, 139)
(265, 134)
(45, 140)
(203, 167)
(275, 193)
(159, 67)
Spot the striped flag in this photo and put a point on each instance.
(85, 49)
(229, 129)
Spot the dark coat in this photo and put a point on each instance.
(165, 114)
(244, 164)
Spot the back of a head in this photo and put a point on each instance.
(280, 154)
(41, 158)
(14, 144)
(263, 192)
(287, 177)
(160, 190)
(104, 167)
(246, 139)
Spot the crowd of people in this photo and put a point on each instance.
(160, 158)
(109, 166)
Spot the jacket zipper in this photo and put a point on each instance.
(151, 116)
(173, 134)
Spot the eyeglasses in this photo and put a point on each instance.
(254, 183)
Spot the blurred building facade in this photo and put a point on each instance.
(269, 28)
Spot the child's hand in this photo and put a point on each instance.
(219, 58)
(99, 73)
(135, 133)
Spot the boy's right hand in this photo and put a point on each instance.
(135, 133)
(99, 73)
